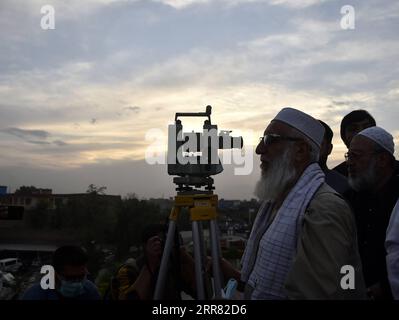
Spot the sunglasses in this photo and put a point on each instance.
(271, 138)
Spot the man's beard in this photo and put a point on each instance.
(366, 180)
(278, 176)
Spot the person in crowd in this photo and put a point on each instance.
(373, 176)
(333, 178)
(136, 279)
(71, 283)
(304, 233)
(351, 124)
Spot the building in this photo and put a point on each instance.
(3, 190)
(30, 200)
(15, 209)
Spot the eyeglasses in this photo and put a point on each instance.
(271, 138)
(356, 156)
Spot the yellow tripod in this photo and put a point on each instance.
(202, 207)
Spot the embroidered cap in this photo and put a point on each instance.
(381, 137)
(303, 122)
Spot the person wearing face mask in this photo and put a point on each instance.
(71, 283)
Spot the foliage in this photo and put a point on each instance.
(97, 218)
(133, 215)
(93, 189)
(39, 217)
(26, 190)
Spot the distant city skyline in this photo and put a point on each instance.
(76, 102)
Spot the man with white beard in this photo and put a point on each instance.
(374, 177)
(304, 233)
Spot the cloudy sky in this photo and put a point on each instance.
(77, 102)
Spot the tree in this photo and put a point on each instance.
(92, 188)
(133, 216)
(38, 218)
(92, 216)
(26, 190)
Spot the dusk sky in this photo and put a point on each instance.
(77, 101)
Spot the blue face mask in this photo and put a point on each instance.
(70, 289)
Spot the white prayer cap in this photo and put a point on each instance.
(381, 137)
(303, 122)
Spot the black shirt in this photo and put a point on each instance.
(337, 181)
(342, 168)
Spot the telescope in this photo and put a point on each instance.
(193, 156)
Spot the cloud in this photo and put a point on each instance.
(60, 143)
(40, 136)
(245, 58)
(38, 142)
(295, 4)
(341, 103)
(26, 134)
(181, 4)
(377, 12)
(134, 109)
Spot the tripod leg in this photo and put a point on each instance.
(198, 261)
(202, 245)
(160, 286)
(203, 249)
(214, 237)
